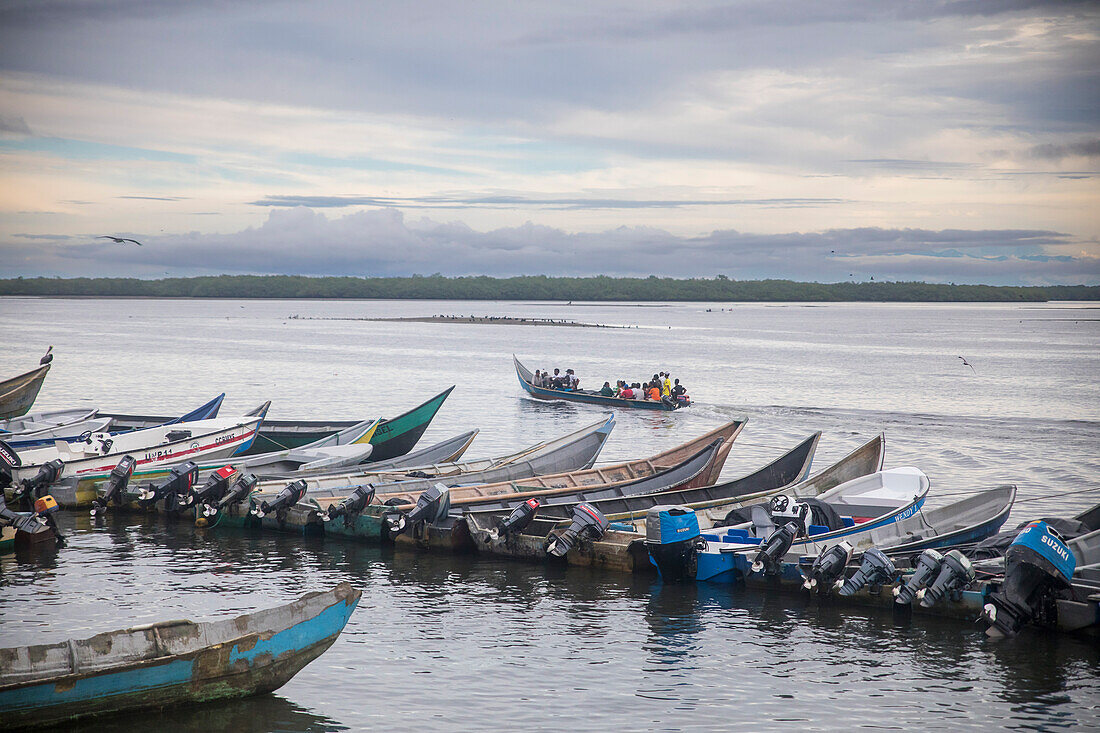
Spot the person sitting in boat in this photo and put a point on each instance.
(571, 381)
(678, 390)
(606, 390)
(626, 393)
(654, 393)
(639, 391)
(537, 379)
(556, 380)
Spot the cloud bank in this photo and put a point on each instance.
(382, 242)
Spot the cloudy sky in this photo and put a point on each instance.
(949, 141)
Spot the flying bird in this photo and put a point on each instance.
(119, 240)
(964, 361)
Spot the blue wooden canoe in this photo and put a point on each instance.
(169, 663)
(526, 376)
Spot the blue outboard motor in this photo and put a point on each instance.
(673, 540)
(1038, 566)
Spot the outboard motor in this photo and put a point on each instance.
(520, 517)
(19, 520)
(216, 486)
(828, 567)
(588, 523)
(784, 509)
(288, 497)
(926, 572)
(770, 557)
(875, 570)
(1038, 565)
(359, 499)
(673, 539)
(956, 573)
(44, 509)
(116, 484)
(246, 484)
(179, 480)
(9, 461)
(432, 505)
(48, 474)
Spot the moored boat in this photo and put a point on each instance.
(18, 393)
(367, 522)
(169, 663)
(394, 437)
(69, 463)
(590, 397)
(449, 531)
(622, 547)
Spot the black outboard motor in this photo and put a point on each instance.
(242, 489)
(770, 557)
(875, 570)
(1038, 567)
(432, 505)
(179, 480)
(352, 505)
(116, 485)
(9, 461)
(19, 520)
(216, 486)
(520, 517)
(828, 567)
(926, 572)
(36, 485)
(288, 497)
(673, 539)
(588, 523)
(956, 573)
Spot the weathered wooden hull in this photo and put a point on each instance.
(19, 393)
(555, 395)
(550, 484)
(626, 551)
(171, 663)
(7, 540)
(367, 525)
(452, 535)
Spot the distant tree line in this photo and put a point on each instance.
(537, 287)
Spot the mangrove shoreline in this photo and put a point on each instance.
(537, 288)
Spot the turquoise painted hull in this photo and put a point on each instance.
(255, 661)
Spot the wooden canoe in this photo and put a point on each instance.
(451, 534)
(394, 437)
(625, 550)
(571, 452)
(169, 663)
(525, 377)
(19, 393)
(304, 517)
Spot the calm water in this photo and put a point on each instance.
(471, 644)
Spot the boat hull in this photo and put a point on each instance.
(254, 662)
(19, 393)
(555, 395)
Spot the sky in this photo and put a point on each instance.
(946, 140)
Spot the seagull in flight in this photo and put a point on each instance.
(964, 361)
(119, 240)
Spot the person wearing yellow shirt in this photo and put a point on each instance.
(666, 384)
